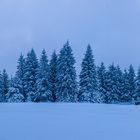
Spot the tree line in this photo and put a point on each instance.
(56, 80)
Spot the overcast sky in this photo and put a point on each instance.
(112, 27)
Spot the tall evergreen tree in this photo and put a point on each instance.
(136, 96)
(20, 75)
(30, 77)
(43, 83)
(131, 82)
(101, 76)
(114, 84)
(125, 96)
(53, 74)
(112, 97)
(119, 84)
(130, 85)
(88, 79)
(5, 84)
(66, 76)
(2, 96)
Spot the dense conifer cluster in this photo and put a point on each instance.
(56, 80)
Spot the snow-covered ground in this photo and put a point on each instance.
(69, 122)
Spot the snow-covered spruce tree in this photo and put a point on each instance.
(101, 77)
(2, 97)
(114, 84)
(20, 75)
(125, 96)
(119, 84)
(53, 75)
(4, 85)
(88, 79)
(130, 85)
(44, 93)
(132, 82)
(14, 95)
(30, 76)
(112, 96)
(66, 76)
(136, 95)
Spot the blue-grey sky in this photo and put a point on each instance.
(112, 27)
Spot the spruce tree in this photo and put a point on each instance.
(53, 75)
(112, 97)
(43, 83)
(5, 84)
(20, 73)
(125, 96)
(88, 79)
(136, 96)
(2, 96)
(101, 76)
(114, 84)
(119, 84)
(130, 85)
(66, 76)
(30, 76)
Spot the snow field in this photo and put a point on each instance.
(48, 121)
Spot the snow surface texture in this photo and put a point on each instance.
(69, 122)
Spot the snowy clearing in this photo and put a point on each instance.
(69, 122)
